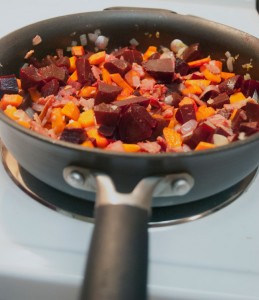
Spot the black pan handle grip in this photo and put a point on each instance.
(117, 263)
(118, 256)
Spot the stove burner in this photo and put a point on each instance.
(84, 209)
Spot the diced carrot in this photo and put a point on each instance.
(10, 99)
(100, 140)
(236, 97)
(87, 118)
(106, 76)
(78, 50)
(204, 112)
(199, 62)
(72, 66)
(193, 89)
(233, 114)
(216, 78)
(73, 77)
(226, 75)
(97, 58)
(34, 94)
(88, 91)
(172, 137)
(71, 111)
(186, 100)
(133, 78)
(202, 83)
(73, 124)
(150, 51)
(172, 122)
(88, 144)
(57, 120)
(131, 147)
(127, 89)
(204, 146)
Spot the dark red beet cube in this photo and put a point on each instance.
(192, 52)
(106, 92)
(84, 71)
(136, 125)
(231, 84)
(160, 69)
(53, 72)
(181, 67)
(107, 131)
(124, 104)
(30, 77)
(158, 131)
(73, 135)
(107, 114)
(219, 101)
(50, 88)
(185, 113)
(130, 55)
(249, 87)
(252, 111)
(8, 85)
(249, 127)
(240, 116)
(116, 65)
(223, 130)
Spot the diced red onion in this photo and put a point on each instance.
(188, 127)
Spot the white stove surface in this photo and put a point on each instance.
(43, 253)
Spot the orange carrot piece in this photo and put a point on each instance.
(106, 76)
(73, 77)
(73, 124)
(97, 58)
(172, 137)
(204, 112)
(57, 120)
(202, 83)
(237, 97)
(131, 147)
(34, 94)
(71, 111)
(204, 146)
(88, 144)
(150, 51)
(127, 89)
(100, 140)
(199, 62)
(233, 114)
(87, 118)
(78, 50)
(226, 75)
(72, 66)
(88, 91)
(216, 78)
(10, 99)
(194, 89)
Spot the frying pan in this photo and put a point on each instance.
(123, 184)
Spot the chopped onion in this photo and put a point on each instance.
(101, 42)
(83, 39)
(134, 42)
(219, 139)
(36, 40)
(74, 43)
(176, 45)
(188, 126)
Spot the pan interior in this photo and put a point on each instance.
(84, 209)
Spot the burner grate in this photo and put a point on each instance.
(84, 209)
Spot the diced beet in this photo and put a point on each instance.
(202, 133)
(158, 131)
(107, 131)
(107, 114)
(63, 62)
(252, 111)
(30, 77)
(231, 84)
(219, 101)
(240, 116)
(210, 92)
(130, 55)
(193, 52)
(84, 71)
(249, 87)
(249, 127)
(50, 88)
(223, 130)
(155, 55)
(176, 99)
(160, 69)
(124, 104)
(181, 67)
(73, 135)
(116, 65)
(136, 125)
(106, 92)
(52, 71)
(8, 85)
(185, 113)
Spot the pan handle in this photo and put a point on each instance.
(118, 255)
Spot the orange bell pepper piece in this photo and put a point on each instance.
(204, 112)
(34, 93)
(216, 78)
(226, 75)
(88, 144)
(127, 89)
(100, 140)
(57, 120)
(10, 99)
(172, 137)
(72, 66)
(131, 147)
(204, 146)
(88, 91)
(238, 96)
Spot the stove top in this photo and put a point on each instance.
(43, 253)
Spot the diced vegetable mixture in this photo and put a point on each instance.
(171, 99)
